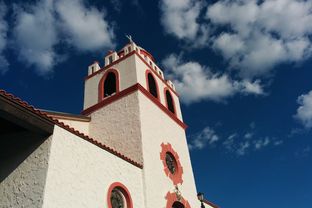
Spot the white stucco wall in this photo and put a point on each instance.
(131, 71)
(81, 126)
(127, 78)
(24, 187)
(141, 68)
(157, 128)
(80, 174)
(118, 126)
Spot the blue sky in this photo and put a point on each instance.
(243, 69)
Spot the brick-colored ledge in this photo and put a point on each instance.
(125, 92)
(142, 59)
(48, 118)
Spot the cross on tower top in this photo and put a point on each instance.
(129, 38)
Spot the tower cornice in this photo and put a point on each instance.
(142, 59)
(130, 90)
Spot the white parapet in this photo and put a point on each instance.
(169, 82)
(93, 68)
(111, 57)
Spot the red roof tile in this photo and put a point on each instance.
(44, 115)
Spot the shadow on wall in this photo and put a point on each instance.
(16, 144)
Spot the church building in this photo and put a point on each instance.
(127, 148)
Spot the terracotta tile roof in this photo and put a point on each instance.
(44, 115)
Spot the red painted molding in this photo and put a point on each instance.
(48, 118)
(101, 83)
(173, 102)
(128, 91)
(123, 189)
(126, 56)
(172, 197)
(177, 176)
(155, 73)
(110, 99)
(163, 108)
(147, 72)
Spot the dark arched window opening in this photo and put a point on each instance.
(152, 85)
(110, 84)
(169, 99)
(177, 205)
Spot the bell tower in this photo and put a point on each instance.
(135, 110)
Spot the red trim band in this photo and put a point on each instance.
(126, 56)
(162, 79)
(128, 91)
(48, 118)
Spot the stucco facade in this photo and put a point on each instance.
(138, 124)
(80, 174)
(24, 187)
(157, 128)
(129, 140)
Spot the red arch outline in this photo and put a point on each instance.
(156, 83)
(172, 197)
(101, 83)
(124, 191)
(173, 102)
(177, 176)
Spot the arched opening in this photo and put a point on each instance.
(110, 84)
(170, 102)
(177, 205)
(118, 196)
(152, 87)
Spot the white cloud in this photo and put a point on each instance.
(229, 44)
(3, 39)
(41, 27)
(303, 152)
(304, 111)
(239, 146)
(86, 27)
(229, 142)
(248, 87)
(180, 18)
(196, 82)
(255, 35)
(242, 148)
(260, 143)
(36, 37)
(278, 142)
(206, 137)
(262, 35)
(236, 143)
(248, 135)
